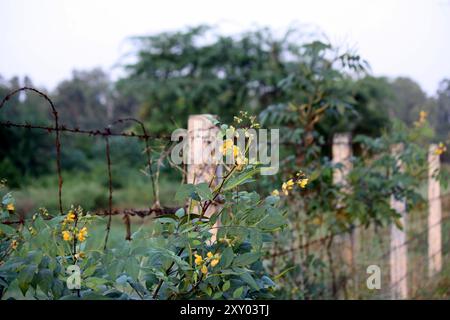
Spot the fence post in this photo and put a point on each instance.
(202, 167)
(434, 213)
(398, 247)
(342, 153)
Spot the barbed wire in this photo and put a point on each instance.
(157, 210)
(106, 132)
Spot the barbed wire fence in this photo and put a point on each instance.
(106, 133)
(409, 259)
(336, 285)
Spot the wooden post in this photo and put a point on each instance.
(202, 164)
(399, 250)
(434, 213)
(342, 154)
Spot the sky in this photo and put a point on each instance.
(47, 39)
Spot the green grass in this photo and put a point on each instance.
(131, 189)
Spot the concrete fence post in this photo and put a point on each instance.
(399, 250)
(434, 213)
(342, 154)
(202, 166)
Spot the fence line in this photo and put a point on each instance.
(156, 208)
(106, 132)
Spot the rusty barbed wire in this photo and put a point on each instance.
(106, 132)
(56, 128)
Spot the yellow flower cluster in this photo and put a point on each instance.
(287, 186)
(300, 179)
(10, 207)
(213, 260)
(229, 147)
(82, 234)
(440, 149)
(69, 226)
(70, 217)
(66, 235)
(422, 118)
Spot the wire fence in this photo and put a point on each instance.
(371, 246)
(57, 128)
(339, 282)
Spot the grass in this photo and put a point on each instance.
(90, 190)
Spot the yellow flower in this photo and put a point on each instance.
(70, 216)
(226, 145)
(10, 207)
(287, 186)
(317, 221)
(302, 182)
(275, 192)
(235, 151)
(82, 234)
(204, 269)
(198, 259)
(14, 244)
(209, 255)
(67, 236)
(440, 149)
(422, 116)
(214, 262)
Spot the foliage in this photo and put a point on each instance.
(176, 257)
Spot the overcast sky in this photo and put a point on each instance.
(46, 39)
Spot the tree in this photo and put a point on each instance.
(85, 100)
(409, 100)
(441, 117)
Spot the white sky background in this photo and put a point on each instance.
(47, 39)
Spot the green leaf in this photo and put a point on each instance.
(25, 277)
(89, 271)
(240, 179)
(226, 258)
(95, 282)
(217, 295)
(45, 280)
(184, 191)
(204, 191)
(7, 229)
(180, 212)
(226, 286)
(238, 292)
(57, 287)
(272, 221)
(250, 281)
(246, 259)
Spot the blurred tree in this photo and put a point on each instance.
(24, 152)
(409, 100)
(441, 116)
(182, 73)
(85, 100)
